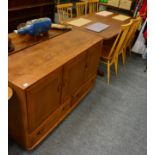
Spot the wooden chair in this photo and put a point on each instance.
(64, 11)
(93, 6)
(130, 38)
(136, 24)
(81, 8)
(110, 54)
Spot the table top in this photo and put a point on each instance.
(32, 64)
(106, 34)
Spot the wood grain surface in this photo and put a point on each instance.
(21, 42)
(31, 64)
(111, 31)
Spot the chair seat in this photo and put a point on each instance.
(111, 49)
(105, 53)
(105, 60)
(107, 45)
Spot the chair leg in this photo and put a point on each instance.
(108, 72)
(116, 66)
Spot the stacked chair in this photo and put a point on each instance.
(130, 38)
(93, 6)
(123, 41)
(81, 8)
(64, 11)
(136, 24)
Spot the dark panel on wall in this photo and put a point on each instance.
(20, 11)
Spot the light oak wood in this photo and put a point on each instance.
(135, 26)
(93, 6)
(122, 52)
(108, 35)
(81, 8)
(41, 75)
(110, 54)
(130, 38)
(110, 32)
(64, 11)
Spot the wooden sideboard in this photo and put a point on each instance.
(49, 79)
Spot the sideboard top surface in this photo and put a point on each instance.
(32, 64)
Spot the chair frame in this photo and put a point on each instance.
(117, 46)
(130, 37)
(64, 11)
(137, 23)
(81, 7)
(93, 6)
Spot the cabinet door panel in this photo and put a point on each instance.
(73, 76)
(43, 99)
(92, 62)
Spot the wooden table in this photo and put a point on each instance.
(108, 33)
(49, 79)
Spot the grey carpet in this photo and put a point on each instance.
(111, 119)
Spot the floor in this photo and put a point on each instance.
(111, 119)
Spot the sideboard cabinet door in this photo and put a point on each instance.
(73, 76)
(92, 61)
(43, 98)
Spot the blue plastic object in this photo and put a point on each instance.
(35, 27)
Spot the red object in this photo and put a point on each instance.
(145, 34)
(143, 10)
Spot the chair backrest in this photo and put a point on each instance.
(119, 42)
(64, 11)
(137, 23)
(134, 27)
(81, 8)
(93, 6)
